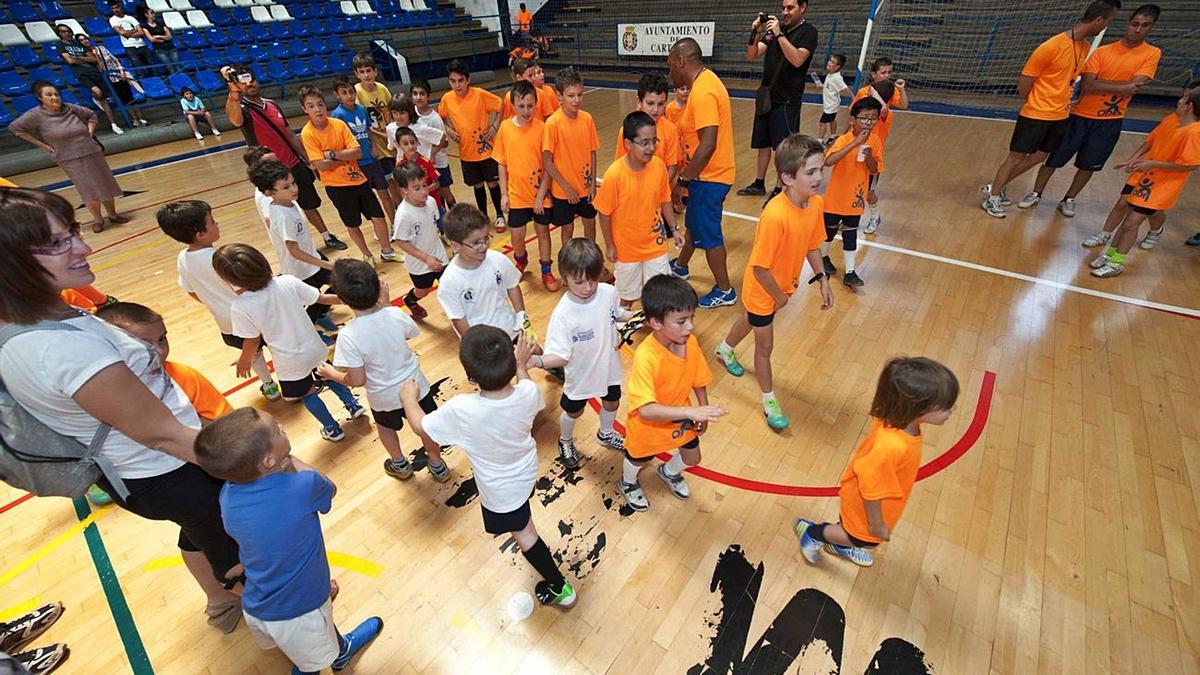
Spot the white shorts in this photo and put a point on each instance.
(310, 640)
(632, 276)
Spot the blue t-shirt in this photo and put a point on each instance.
(275, 523)
(359, 121)
(194, 105)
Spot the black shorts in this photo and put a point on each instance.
(563, 212)
(376, 175)
(124, 91)
(1127, 189)
(306, 184)
(503, 523)
(828, 118)
(770, 129)
(319, 280)
(1090, 142)
(572, 407)
(760, 320)
(834, 220)
(91, 78)
(1030, 135)
(394, 419)
(354, 202)
(423, 281)
(388, 164)
(521, 217)
(860, 543)
(445, 178)
(294, 390)
(477, 173)
(690, 445)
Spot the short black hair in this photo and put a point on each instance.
(867, 103)
(341, 81)
(1098, 9)
(839, 58)
(356, 283)
(403, 132)
(567, 77)
(126, 315)
(407, 172)
(634, 122)
(886, 89)
(652, 83)
(666, 293)
(881, 62)
(486, 353)
(462, 219)
(1152, 11)
(458, 66)
(520, 65)
(184, 219)
(264, 175)
(363, 60)
(521, 89)
(255, 153)
(420, 83)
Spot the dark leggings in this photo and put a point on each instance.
(849, 236)
(818, 532)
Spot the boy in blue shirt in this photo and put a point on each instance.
(270, 505)
(356, 117)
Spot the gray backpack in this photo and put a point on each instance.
(35, 457)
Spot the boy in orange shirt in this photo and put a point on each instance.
(518, 154)
(472, 116)
(569, 157)
(652, 100)
(674, 111)
(855, 156)
(892, 96)
(547, 101)
(668, 367)
(790, 230)
(879, 479)
(634, 204)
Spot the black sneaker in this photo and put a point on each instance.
(43, 659)
(23, 629)
(851, 279)
(568, 453)
(334, 243)
(771, 196)
(755, 189)
(829, 268)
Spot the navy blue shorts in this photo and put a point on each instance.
(706, 201)
(1090, 142)
(445, 178)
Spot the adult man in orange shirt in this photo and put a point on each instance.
(1111, 77)
(707, 126)
(1045, 86)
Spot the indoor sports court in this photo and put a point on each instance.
(1053, 526)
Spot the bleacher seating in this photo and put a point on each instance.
(97, 27)
(197, 19)
(175, 21)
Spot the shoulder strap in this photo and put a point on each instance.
(253, 110)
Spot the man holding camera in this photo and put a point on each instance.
(788, 42)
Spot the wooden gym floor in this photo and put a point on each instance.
(1064, 538)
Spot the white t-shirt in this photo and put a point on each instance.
(480, 295)
(585, 334)
(433, 119)
(831, 95)
(196, 275)
(378, 342)
(495, 434)
(44, 370)
(127, 23)
(418, 226)
(276, 313)
(427, 137)
(262, 204)
(288, 223)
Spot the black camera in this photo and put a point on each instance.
(762, 22)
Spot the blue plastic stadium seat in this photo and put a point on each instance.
(257, 53)
(299, 29)
(219, 17)
(319, 27)
(277, 70)
(6, 116)
(51, 50)
(23, 103)
(97, 26)
(5, 62)
(260, 74)
(238, 35)
(316, 45)
(203, 4)
(23, 12)
(155, 88)
(236, 54)
(210, 81)
(259, 32)
(12, 84)
(299, 48)
(177, 82)
(192, 39)
(113, 44)
(241, 15)
(316, 65)
(281, 30)
(301, 69)
(53, 10)
(25, 56)
(69, 96)
(299, 11)
(47, 74)
(216, 37)
(340, 62)
(211, 57)
(102, 7)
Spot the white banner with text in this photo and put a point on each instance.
(655, 39)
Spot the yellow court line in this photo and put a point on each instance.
(116, 260)
(13, 611)
(343, 560)
(54, 544)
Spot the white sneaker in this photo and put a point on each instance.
(872, 224)
(199, 136)
(634, 497)
(1100, 261)
(216, 132)
(117, 130)
(1151, 239)
(1030, 200)
(1067, 207)
(1004, 200)
(1099, 239)
(994, 207)
(1108, 269)
(678, 485)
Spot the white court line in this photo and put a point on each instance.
(1148, 304)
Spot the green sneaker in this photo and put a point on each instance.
(98, 497)
(563, 598)
(731, 363)
(775, 417)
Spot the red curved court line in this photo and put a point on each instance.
(16, 502)
(148, 230)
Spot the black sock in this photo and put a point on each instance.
(539, 556)
(481, 198)
(495, 190)
(817, 532)
(410, 298)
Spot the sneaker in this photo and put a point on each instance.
(993, 207)
(612, 440)
(332, 433)
(568, 453)
(440, 473)
(1099, 239)
(370, 260)
(771, 196)
(1108, 269)
(43, 659)
(399, 468)
(565, 597)
(809, 548)
(388, 256)
(141, 123)
(117, 130)
(1004, 200)
(1151, 239)
(1030, 200)
(730, 361)
(270, 391)
(334, 243)
(718, 298)
(1067, 207)
(755, 189)
(852, 280)
(216, 131)
(678, 485)
(199, 136)
(501, 225)
(828, 265)
(1099, 261)
(355, 640)
(774, 412)
(634, 497)
(1194, 240)
(854, 554)
(98, 496)
(678, 270)
(872, 224)
(520, 264)
(550, 282)
(356, 411)
(23, 629)
(418, 312)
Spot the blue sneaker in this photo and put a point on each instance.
(810, 548)
(355, 640)
(332, 433)
(718, 298)
(854, 554)
(680, 271)
(356, 411)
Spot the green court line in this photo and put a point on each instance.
(139, 662)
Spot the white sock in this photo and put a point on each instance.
(824, 249)
(629, 472)
(724, 349)
(676, 465)
(259, 366)
(607, 418)
(866, 214)
(768, 396)
(849, 258)
(566, 426)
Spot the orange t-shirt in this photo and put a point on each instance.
(674, 111)
(208, 401)
(1117, 63)
(668, 142)
(848, 181)
(784, 235)
(660, 376)
(335, 136)
(519, 149)
(884, 126)
(524, 20)
(547, 103)
(634, 201)
(571, 143)
(469, 114)
(1160, 188)
(87, 298)
(4, 182)
(883, 468)
(708, 106)
(1054, 65)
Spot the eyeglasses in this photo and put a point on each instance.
(646, 144)
(867, 120)
(61, 245)
(480, 245)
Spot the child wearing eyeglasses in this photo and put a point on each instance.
(479, 285)
(855, 156)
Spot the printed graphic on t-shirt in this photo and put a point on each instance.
(1143, 189)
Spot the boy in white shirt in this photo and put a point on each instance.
(404, 114)
(582, 336)
(493, 429)
(262, 203)
(373, 352)
(270, 309)
(190, 222)
(429, 116)
(415, 231)
(479, 286)
(831, 97)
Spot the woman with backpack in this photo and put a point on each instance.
(75, 374)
